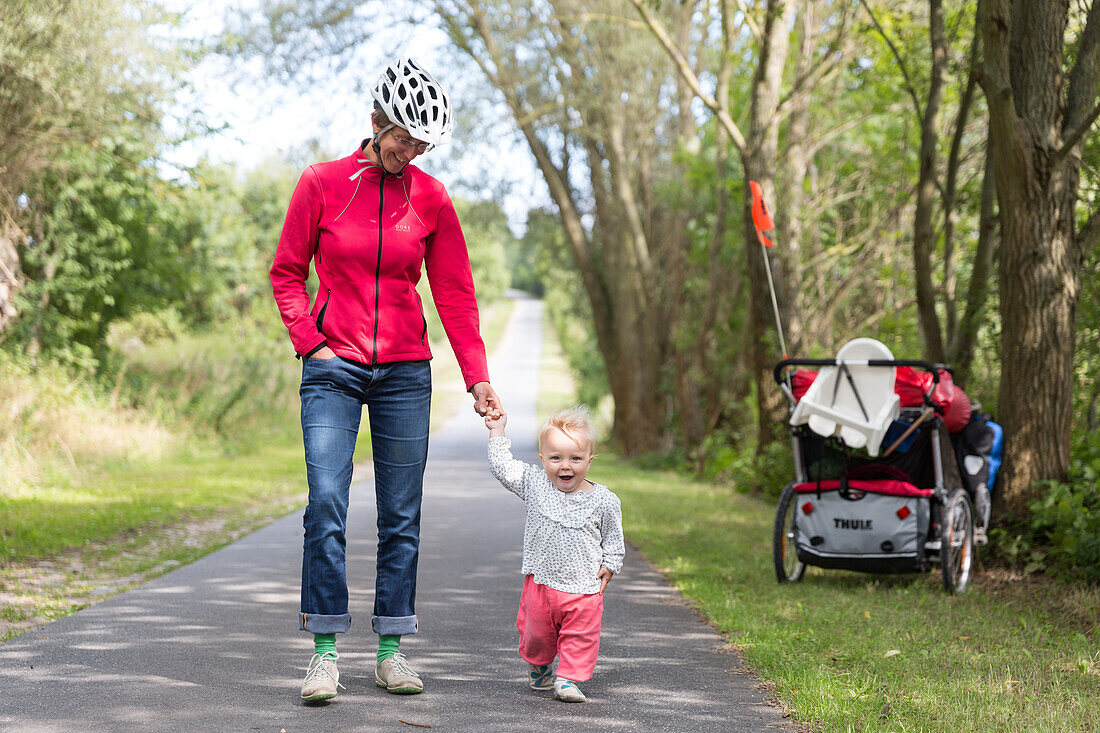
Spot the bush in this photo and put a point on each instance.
(766, 473)
(143, 329)
(1066, 521)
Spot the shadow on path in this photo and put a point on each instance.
(215, 645)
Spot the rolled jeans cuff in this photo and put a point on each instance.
(317, 623)
(394, 625)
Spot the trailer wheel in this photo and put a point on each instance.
(957, 542)
(788, 568)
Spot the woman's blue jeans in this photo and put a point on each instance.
(398, 400)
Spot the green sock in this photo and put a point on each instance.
(324, 643)
(387, 646)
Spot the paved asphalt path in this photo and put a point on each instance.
(214, 646)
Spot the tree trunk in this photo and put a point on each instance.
(759, 161)
(795, 167)
(10, 274)
(609, 234)
(960, 353)
(1040, 281)
(924, 233)
(1033, 115)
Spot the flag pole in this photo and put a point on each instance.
(762, 222)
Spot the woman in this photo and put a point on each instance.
(368, 222)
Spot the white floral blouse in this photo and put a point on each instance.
(568, 537)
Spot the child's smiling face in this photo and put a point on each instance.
(566, 463)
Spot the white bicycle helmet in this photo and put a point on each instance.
(413, 99)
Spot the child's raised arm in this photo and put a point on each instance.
(505, 469)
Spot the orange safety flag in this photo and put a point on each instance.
(761, 219)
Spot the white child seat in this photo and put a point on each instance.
(851, 399)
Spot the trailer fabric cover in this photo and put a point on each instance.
(883, 522)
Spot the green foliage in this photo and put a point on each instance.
(1087, 356)
(765, 472)
(114, 241)
(230, 224)
(523, 264)
(485, 226)
(145, 328)
(1062, 534)
(566, 303)
(95, 254)
(99, 233)
(73, 73)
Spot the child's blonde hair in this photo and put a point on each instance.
(576, 423)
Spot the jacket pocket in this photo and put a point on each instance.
(321, 315)
(423, 319)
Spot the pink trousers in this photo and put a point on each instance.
(554, 623)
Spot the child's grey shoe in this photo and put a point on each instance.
(542, 677)
(395, 674)
(322, 678)
(567, 691)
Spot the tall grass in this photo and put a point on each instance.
(51, 420)
(223, 384)
(83, 459)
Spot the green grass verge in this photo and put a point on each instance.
(132, 498)
(448, 388)
(71, 543)
(848, 651)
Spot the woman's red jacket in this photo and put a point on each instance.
(367, 308)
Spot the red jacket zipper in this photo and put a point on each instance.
(378, 269)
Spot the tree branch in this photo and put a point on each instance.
(1078, 133)
(555, 177)
(950, 189)
(822, 139)
(750, 21)
(897, 57)
(826, 67)
(806, 84)
(689, 75)
(1084, 83)
(1004, 126)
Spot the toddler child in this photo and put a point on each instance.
(572, 545)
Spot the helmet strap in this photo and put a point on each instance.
(378, 152)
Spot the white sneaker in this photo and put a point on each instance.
(567, 691)
(322, 678)
(395, 674)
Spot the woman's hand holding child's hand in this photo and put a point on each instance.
(495, 420)
(605, 577)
